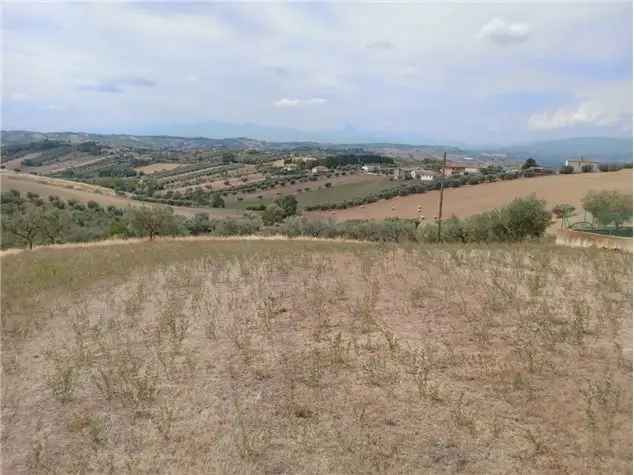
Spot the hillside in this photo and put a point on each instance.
(470, 200)
(550, 153)
(45, 187)
(303, 356)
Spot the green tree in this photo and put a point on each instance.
(273, 214)
(608, 207)
(217, 201)
(198, 224)
(25, 224)
(53, 225)
(529, 164)
(153, 221)
(288, 204)
(526, 217)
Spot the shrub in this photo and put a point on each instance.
(523, 218)
(288, 204)
(217, 201)
(526, 217)
(273, 214)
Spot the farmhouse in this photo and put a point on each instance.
(370, 168)
(402, 173)
(423, 175)
(320, 169)
(455, 168)
(578, 165)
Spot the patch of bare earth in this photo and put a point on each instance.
(313, 358)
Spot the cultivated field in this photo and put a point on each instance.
(314, 192)
(45, 186)
(291, 356)
(469, 200)
(157, 167)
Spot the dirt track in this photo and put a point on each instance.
(469, 200)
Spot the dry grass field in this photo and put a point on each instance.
(45, 186)
(291, 356)
(158, 167)
(470, 200)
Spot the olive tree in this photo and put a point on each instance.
(26, 224)
(153, 221)
(608, 207)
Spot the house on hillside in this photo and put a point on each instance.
(402, 173)
(319, 170)
(370, 168)
(424, 175)
(579, 165)
(452, 169)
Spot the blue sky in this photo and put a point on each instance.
(419, 73)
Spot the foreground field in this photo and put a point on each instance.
(83, 192)
(470, 200)
(236, 356)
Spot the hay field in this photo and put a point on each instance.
(262, 356)
(469, 200)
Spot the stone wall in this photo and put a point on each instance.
(568, 237)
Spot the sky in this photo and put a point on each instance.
(414, 73)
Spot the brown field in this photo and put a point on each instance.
(469, 200)
(45, 186)
(310, 357)
(158, 167)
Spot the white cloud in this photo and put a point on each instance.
(286, 102)
(502, 32)
(587, 113)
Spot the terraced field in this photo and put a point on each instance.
(65, 189)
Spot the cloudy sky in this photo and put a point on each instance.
(418, 73)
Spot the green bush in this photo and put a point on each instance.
(273, 214)
(523, 218)
(608, 207)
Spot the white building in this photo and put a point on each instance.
(319, 170)
(424, 175)
(578, 165)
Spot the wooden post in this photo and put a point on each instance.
(442, 188)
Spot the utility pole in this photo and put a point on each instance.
(442, 188)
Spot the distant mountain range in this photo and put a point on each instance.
(553, 152)
(550, 153)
